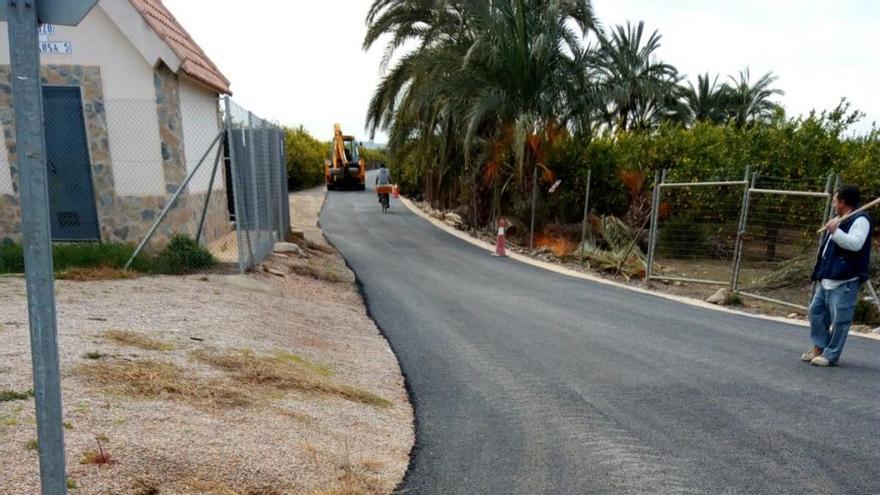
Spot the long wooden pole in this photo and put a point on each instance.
(854, 212)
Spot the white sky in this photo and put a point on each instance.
(300, 61)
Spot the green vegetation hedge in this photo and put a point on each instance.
(305, 158)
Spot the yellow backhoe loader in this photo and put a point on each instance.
(345, 169)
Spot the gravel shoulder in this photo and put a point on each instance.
(276, 382)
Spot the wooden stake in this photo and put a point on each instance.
(854, 212)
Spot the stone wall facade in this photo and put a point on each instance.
(121, 218)
(170, 127)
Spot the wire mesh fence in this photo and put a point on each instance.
(758, 237)
(696, 230)
(144, 171)
(259, 179)
(115, 165)
(780, 242)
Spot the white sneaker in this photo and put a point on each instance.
(820, 361)
(810, 355)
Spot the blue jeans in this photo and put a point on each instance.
(831, 315)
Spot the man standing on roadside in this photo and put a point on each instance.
(842, 266)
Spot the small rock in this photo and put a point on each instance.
(277, 272)
(792, 315)
(204, 278)
(719, 297)
(289, 247)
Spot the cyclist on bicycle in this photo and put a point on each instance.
(383, 178)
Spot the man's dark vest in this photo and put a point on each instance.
(842, 264)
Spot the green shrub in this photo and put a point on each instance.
(183, 255)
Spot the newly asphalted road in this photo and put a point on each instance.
(530, 382)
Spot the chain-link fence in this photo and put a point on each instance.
(259, 180)
(117, 165)
(209, 170)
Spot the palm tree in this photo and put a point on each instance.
(636, 84)
(707, 101)
(411, 100)
(751, 103)
(486, 79)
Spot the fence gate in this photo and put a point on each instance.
(777, 248)
(756, 236)
(694, 230)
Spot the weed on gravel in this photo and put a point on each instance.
(11, 395)
(93, 274)
(147, 379)
(139, 340)
(281, 373)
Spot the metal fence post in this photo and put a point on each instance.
(255, 200)
(282, 184)
(235, 168)
(586, 212)
(826, 217)
(534, 198)
(740, 232)
(210, 189)
(828, 203)
(27, 102)
(652, 241)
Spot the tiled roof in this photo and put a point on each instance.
(195, 63)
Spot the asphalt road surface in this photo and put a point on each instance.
(528, 382)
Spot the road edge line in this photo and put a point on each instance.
(599, 280)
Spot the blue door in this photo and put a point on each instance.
(71, 192)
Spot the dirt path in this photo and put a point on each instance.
(305, 207)
(257, 384)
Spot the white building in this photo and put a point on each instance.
(130, 107)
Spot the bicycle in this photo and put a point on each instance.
(384, 192)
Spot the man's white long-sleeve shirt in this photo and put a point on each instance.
(851, 241)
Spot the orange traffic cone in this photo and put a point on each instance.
(499, 242)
